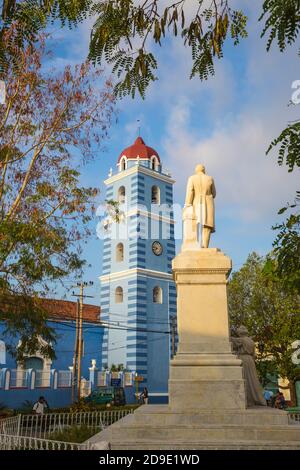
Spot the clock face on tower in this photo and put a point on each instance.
(157, 248)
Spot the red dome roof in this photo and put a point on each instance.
(139, 149)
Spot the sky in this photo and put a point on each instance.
(226, 123)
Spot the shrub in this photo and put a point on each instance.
(74, 434)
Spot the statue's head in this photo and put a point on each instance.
(242, 331)
(200, 169)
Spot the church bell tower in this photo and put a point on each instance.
(138, 294)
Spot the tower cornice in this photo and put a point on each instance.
(136, 272)
(139, 169)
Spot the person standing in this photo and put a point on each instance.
(280, 402)
(145, 396)
(268, 396)
(40, 406)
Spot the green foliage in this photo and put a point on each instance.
(265, 370)
(29, 18)
(287, 242)
(117, 368)
(289, 151)
(287, 250)
(27, 406)
(76, 434)
(80, 405)
(5, 412)
(44, 211)
(282, 22)
(123, 29)
(269, 310)
(25, 319)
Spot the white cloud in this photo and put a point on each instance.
(246, 108)
(249, 184)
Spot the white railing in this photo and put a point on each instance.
(33, 432)
(18, 378)
(64, 378)
(10, 425)
(11, 442)
(294, 418)
(42, 426)
(42, 378)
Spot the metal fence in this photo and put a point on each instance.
(34, 431)
(42, 426)
(11, 425)
(11, 442)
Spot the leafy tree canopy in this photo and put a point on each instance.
(124, 31)
(51, 124)
(270, 311)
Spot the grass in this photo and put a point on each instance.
(69, 409)
(76, 434)
(93, 407)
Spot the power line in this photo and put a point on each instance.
(112, 326)
(141, 342)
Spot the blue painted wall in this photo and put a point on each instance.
(15, 399)
(64, 350)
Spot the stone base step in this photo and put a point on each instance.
(157, 427)
(210, 445)
(162, 415)
(193, 434)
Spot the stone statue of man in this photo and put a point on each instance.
(200, 195)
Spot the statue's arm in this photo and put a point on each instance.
(236, 343)
(189, 193)
(235, 340)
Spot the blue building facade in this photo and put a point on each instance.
(50, 378)
(138, 294)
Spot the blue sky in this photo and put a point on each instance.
(226, 123)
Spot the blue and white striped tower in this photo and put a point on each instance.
(138, 294)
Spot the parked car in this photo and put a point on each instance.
(104, 395)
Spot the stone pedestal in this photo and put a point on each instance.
(207, 407)
(204, 373)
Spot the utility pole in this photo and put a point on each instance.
(79, 336)
(80, 342)
(75, 354)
